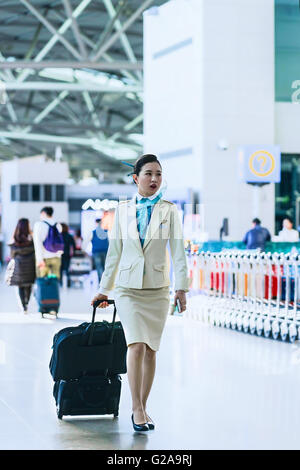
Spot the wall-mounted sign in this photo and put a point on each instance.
(98, 205)
(259, 163)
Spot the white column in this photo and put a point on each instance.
(209, 88)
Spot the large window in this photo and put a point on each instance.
(287, 64)
(13, 192)
(60, 193)
(37, 192)
(48, 192)
(24, 192)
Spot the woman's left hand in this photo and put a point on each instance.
(180, 295)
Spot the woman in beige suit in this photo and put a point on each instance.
(137, 255)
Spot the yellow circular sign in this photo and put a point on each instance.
(264, 160)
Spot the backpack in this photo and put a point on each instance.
(54, 241)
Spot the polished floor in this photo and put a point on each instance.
(214, 388)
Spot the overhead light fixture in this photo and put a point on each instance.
(65, 74)
(139, 138)
(118, 153)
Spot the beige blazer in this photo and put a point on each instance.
(130, 265)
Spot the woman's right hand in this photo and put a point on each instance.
(100, 297)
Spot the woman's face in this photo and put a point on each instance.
(287, 224)
(149, 179)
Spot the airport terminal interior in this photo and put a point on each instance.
(212, 88)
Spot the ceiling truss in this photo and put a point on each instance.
(71, 71)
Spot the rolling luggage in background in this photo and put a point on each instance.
(85, 365)
(80, 265)
(47, 294)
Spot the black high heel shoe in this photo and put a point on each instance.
(139, 427)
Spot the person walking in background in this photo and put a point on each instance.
(21, 269)
(69, 250)
(288, 234)
(78, 240)
(99, 239)
(48, 243)
(137, 259)
(257, 236)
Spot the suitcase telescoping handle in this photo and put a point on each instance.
(91, 329)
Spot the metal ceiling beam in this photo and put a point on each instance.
(74, 87)
(123, 38)
(69, 127)
(110, 25)
(35, 37)
(129, 126)
(65, 26)
(88, 142)
(75, 29)
(125, 26)
(50, 107)
(106, 56)
(47, 110)
(51, 28)
(110, 66)
(94, 145)
(22, 104)
(91, 108)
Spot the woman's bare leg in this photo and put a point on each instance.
(135, 360)
(148, 374)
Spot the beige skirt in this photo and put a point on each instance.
(143, 314)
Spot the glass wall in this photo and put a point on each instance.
(287, 195)
(287, 48)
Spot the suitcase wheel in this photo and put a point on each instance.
(62, 409)
(59, 412)
(45, 312)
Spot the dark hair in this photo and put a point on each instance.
(256, 221)
(64, 227)
(289, 219)
(141, 161)
(98, 220)
(48, 210)
(21, 234)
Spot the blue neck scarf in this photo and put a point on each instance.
(144, 209)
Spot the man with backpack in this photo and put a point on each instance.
(48, 244)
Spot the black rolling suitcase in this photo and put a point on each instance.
(85, 364)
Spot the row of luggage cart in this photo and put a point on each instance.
(253, 292)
